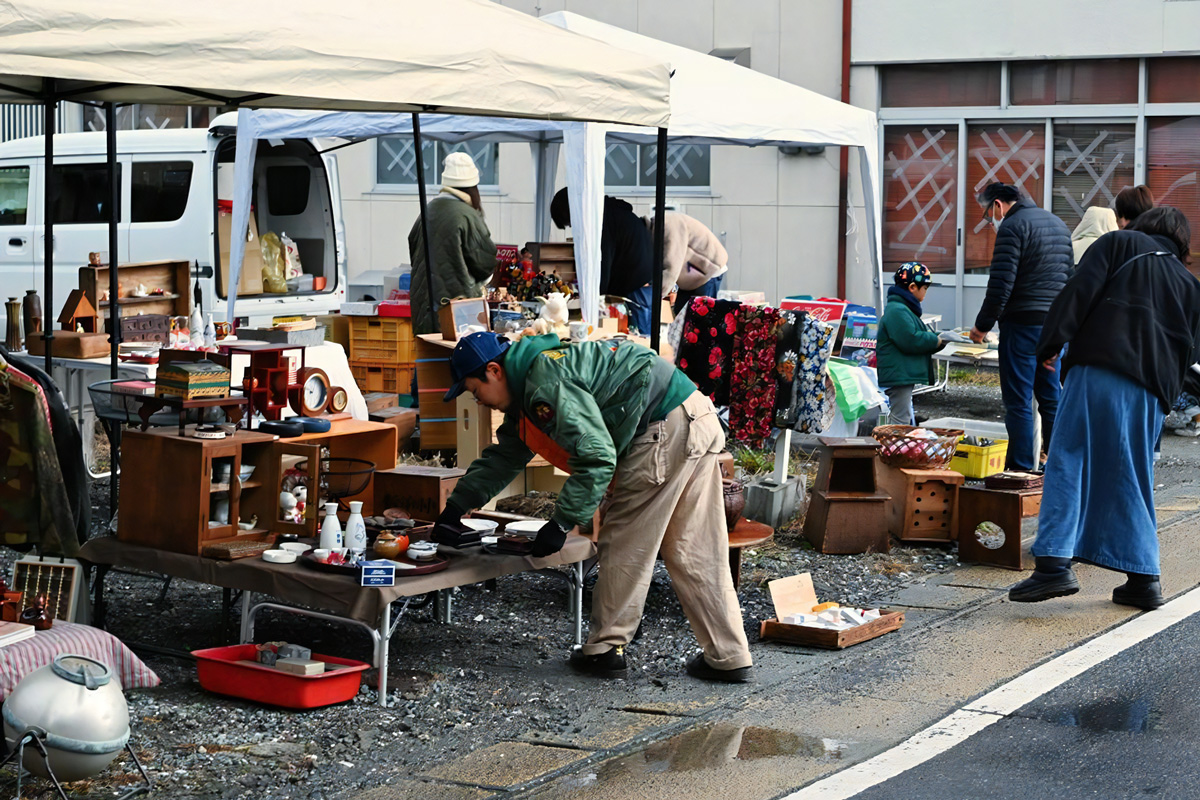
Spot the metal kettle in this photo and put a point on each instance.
(78, 710)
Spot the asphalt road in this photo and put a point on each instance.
(1126, 728)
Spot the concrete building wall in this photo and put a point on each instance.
(890, 31)
(776, 213)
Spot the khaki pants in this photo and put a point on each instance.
(667, 499)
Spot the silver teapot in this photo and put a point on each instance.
(77, 708)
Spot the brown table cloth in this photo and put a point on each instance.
(297, 584)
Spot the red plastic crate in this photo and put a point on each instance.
(223, 670)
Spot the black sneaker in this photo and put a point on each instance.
(1038, 587)
(699, 668)
(609, 664)
(1146, 595)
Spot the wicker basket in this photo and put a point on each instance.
(899, 448)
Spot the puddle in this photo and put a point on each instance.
(1108, 716)
(714, 747)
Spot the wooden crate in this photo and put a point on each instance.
(386, 340)
(830, 639)
(381, 377)
(405, 420)
(421, 491)
(924, 504)
(438, 430)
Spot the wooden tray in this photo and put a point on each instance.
(436, 564)
(830, 639)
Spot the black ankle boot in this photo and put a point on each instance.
(1052, 577)
(1140, 591)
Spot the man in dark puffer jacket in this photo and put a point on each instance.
(1031, 262)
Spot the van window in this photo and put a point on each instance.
(160, 190)
(287, 190)
(82, 195)
(14, 195)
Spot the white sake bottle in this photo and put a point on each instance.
(356, 529)
(331, 529)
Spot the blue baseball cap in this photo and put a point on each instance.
(471, 353)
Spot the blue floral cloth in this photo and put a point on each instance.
(814, 396)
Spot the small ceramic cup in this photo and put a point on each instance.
(321, 554)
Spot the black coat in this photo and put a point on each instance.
(626, 250)
(1139, 318)
(1031, 262)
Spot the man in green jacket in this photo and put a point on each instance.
(629, 418)
(905, 345)
(464, 256)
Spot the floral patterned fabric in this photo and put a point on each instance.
(752, 390)
(814, 395)
(787, 362)
(706, 350)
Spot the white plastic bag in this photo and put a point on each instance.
(291, 257)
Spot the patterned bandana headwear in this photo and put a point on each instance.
(913, 272)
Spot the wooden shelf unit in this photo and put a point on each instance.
(173, 277)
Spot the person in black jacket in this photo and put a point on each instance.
(1031, 262)
(626, 254)
(1131, 314)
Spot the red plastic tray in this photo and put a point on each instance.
(220, 670)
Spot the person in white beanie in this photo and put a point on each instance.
(464, 256)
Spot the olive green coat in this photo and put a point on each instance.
(904, 347)
(464, 258)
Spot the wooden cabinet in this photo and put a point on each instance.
(170, 276)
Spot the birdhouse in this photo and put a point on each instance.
(77, 312)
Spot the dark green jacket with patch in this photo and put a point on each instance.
(591, 398)
(905, 346)
(464, 257)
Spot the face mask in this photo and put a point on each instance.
(996, 223)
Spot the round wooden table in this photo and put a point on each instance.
(746, 533)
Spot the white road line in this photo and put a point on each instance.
(995, 705)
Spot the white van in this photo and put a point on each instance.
(171, 181)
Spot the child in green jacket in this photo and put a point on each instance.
(905, 345)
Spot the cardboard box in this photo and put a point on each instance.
(796, 595)
(378, 401)
(725, 460)
(337, 329)
(250, 280)
(376, 573)
(421, 491)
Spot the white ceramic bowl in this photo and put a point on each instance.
(279, 556)
(321, 555)
(524, 527)
(245, 472)
(422, 551)
(299, 548)
(484, 526)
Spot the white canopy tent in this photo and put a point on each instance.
(454, 56)
(355, 55)
(712, 102)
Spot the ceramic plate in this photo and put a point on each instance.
(481, 525)
(525, 527)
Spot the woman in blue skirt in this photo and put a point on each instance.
(1131, 315)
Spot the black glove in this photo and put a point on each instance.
(449, 528)
(450, 516)
(550, 539)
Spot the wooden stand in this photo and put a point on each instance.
(848, 513)
(924, 504)
(1003, 507)
(747, 533)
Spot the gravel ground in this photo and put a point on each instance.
(499, 673)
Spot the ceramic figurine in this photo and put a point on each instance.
(210, 334)
(287, 507)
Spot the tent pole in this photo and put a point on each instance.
(416, 127)
(114, 200)
(114, 310)
(660, 212)
(51, 106)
